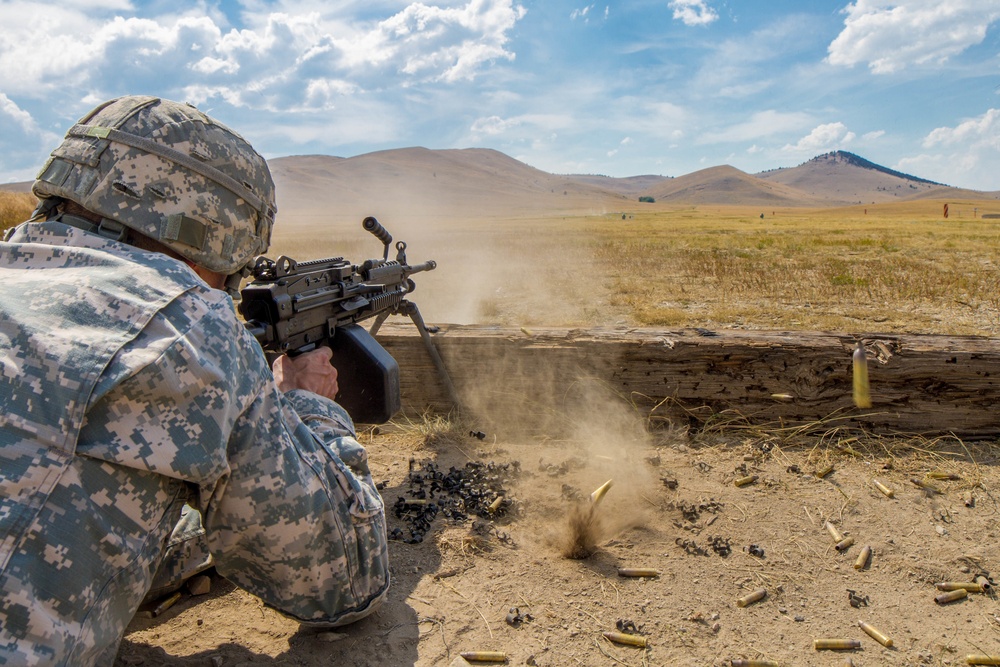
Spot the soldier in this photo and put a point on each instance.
(128, 388)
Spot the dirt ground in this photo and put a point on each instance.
(502, 582)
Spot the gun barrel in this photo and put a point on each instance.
(425, 266)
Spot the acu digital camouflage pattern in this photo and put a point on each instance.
(171, 173)
(127, 388)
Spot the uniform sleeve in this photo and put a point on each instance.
(290, 510)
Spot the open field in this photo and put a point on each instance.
(885, 268)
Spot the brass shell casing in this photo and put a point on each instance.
(625, 638)
(834, 533)
(750, 598)
(970, 586)
(844, 544)
(952, 596)
(484, 656)
(836, 644)
(863, 558)
(982, 659)
(886, 491)
(875, 634)
(638, 572)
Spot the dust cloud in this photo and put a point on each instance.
(578, 432)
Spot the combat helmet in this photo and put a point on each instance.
(170, 173)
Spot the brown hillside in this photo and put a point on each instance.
(427, 184)
(844, 178)
(727, 185)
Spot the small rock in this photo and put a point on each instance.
(800, 619)
(199, 585)
(217, 661)
(716, 627)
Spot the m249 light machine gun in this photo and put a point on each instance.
(292, 307)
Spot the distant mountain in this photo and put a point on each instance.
(845, 178)
(427, 183)
(415, 183)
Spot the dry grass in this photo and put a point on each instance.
(15, 208)
(891, 268)
(901, 268)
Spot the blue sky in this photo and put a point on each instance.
(621, 88)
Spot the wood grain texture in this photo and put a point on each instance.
(924, 384)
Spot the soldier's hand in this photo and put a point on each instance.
(310, 371)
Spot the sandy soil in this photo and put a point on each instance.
(673, 506)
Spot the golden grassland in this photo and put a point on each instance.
(891, 268)
(888, 268)
(15, 208)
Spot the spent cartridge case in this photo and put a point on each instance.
(982, 659)
(484, 656)
(886, 491)
(984, 583)
(824, 471)
(495, 505)
(844, 544)
(638, 572)
(750, 598)
(863, 557)
(625, 638)
(836, 644)
(743, 481)
(952, 596)
(834, 533)
(969, 499)
(599, 492)
(862, 389)
(166, 604)
(942, 475)
(969, 586)
(754, 663)
(875, 634)
(925, 485)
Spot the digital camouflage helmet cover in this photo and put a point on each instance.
(170, 173)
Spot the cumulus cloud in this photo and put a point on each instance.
(890, 35)
(967, 154)
(493, 125)
(761, 124)
(693, 12)
(580, 13)
(825, 137)
(90, 47)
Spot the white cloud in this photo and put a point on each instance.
(890, 35)
(693, 12)
(626, 141)
(967, 154)
(493, 125)
(761, 124)
(823, 138)
(580, 13)
(872, 136)
(975, 133)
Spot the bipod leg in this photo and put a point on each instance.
(411, 309)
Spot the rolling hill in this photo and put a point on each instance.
(484, 183)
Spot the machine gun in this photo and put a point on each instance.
(292, 307)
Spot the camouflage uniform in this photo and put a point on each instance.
(128, 387)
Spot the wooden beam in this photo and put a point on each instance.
(924, 384)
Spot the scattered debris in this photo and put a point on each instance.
(857, 601)
(754, 550)
(515, 618)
